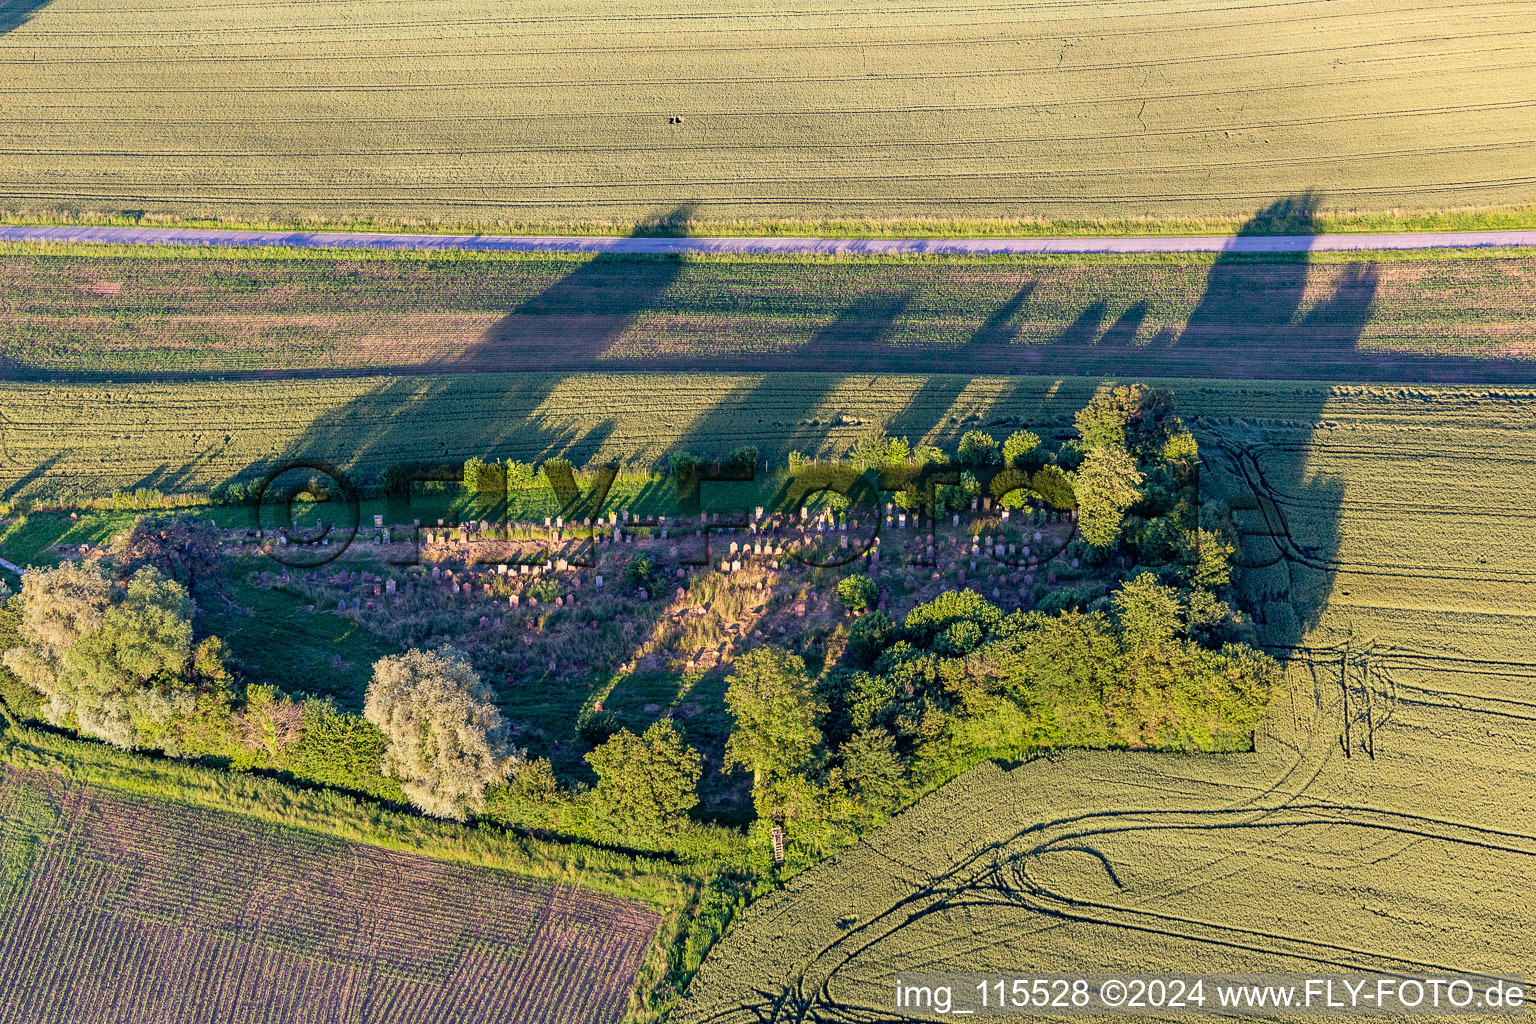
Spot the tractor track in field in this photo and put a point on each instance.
(999, 874)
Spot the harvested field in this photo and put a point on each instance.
(85, 440)
(1424, 317)
(574, 112)
(116, 907)
(1383, 823)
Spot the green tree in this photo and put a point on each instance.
(1148, 613)
(648, 781)
(744, 457)
(869, 636)
(447, 741)
(58, 607)
(978, 449)
(927, 621)
(1020, 445)
(1107, 484)
(1180, 446)
(1054, 486)
(857, 591)
(776, 713)
(127, 679)
(1134, 417)
(873, 770)
(117, 664)
(1211, 556)
(485, 481)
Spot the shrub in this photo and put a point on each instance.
(979, 449)
(1020, 445)
(857, 592)
(642, 572)
(870, 635)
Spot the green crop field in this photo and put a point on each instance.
(820, 115)
(1382, 824)
(118, 907)
(96, 312)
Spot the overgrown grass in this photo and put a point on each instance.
(1488, 218)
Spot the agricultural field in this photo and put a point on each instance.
(822, 116)
(91, 313)
(73, 442)
(1383, 822)
(122, 907)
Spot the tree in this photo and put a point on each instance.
(978, 449)
(58, 607)
(118, 663)
(447, 741)
(1180, 446)
(649, 781)
(1134, 417)
(1019, 445)
(1148, 613)
(873, 769)
(130, 675)
(777, 715)
(857, 591)
(743, 458)
(870, 635)
(485, 481)
(1107, 484)
(927, 621)
(1054, 486)
(1210, 557)
(183, 546)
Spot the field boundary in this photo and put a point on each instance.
(666, 246)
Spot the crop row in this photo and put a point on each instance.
(143, 908)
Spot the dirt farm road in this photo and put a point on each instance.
(771, 246)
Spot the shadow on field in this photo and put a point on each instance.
(1257, 318)
(585, 313)
(458, 411)
(15, 13)
(451, 416)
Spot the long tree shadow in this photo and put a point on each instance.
(15, 13)
(586, 313)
